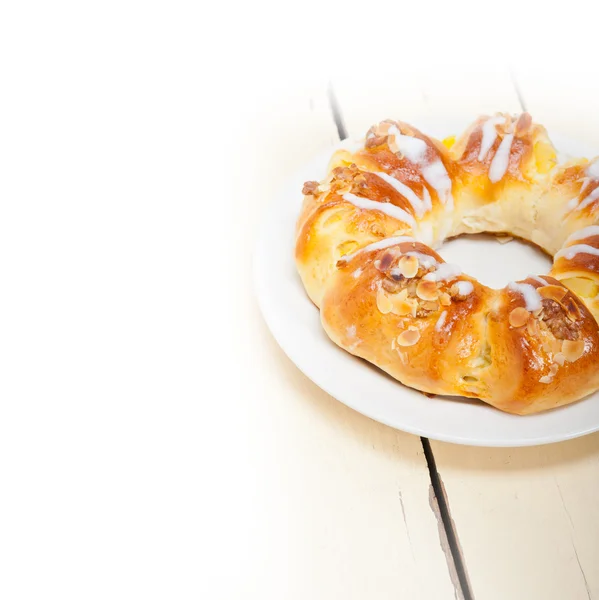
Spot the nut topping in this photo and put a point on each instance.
(383, 303)
(553, 292)
(556, 317)
(523, 125)
(518, 317)
(408, 337)
(408, 266)
(445, 299)
(310, 188)
(532, 326)
(427, 290)
(560, 359)
(573, 350)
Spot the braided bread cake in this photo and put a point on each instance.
(364, 251)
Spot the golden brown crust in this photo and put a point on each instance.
(363, 252)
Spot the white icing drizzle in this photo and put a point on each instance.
(532, 298)
(583, 233)
(434, 173)
(500, 161)
(444, 272)
(380, 245)
(426, 198)
(419, 206)
(414, 149)
(589, 199)
(465, 288)
(570, 252)
(437, 177)
(351, 331)
(385, 207)
(425, 259)
(585, 184)
(441, 320)
(592, 169)
(489, 135)
(592, 172)
(539, 279)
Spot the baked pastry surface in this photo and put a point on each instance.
(365, 253)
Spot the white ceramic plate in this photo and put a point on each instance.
(295, 324)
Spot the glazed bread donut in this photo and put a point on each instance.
(364, 252)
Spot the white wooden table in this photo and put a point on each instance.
(154, 440)
(364, 511)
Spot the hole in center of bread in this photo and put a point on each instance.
(493, 263)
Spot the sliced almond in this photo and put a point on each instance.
(346, 189)
(383, 128)
(518, 317)
(573, 350)
(445, 299)
(412, 285)
(571, 307)
(392, 145)
(546, 379)
(403, 295)
(532, 326)
(430, 305)
(408, 337)
(553, 369)
(375, 140)
(403, 308)
(427, 290)
(560, 359)
(523, 125)
(556, 345)
(408, 266)
(383, 303)
(553, 292)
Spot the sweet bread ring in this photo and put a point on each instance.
(364, 251)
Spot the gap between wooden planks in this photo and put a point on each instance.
(526, 519)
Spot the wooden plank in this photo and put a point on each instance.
(346, 499)
(527, 518)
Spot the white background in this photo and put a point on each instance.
(129, 131)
